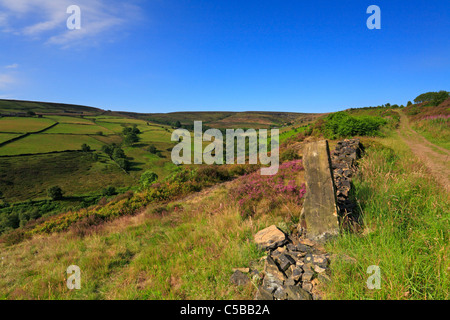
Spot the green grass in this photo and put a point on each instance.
(186, 254)
(43, 143)
(72, 128)
(28, 177)
(68, 119)
(23, 125)
(115, 127)
(8, 136)
(436, 131)
(407, 222)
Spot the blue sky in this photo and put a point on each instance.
(224, 55)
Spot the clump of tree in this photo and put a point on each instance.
(153, 150)
(85, 147)
(55, 193)
(131, 134)
(118, 155)
(433, 98)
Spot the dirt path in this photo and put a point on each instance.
(437, 159)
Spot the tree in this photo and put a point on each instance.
(85, 147)
(177, 124)
(131, 138)
(147, 178)
(435, 98)
(152, 149)
(55, 193)
(108, 149)
(409, 103)
(118, 153)
(123, 163)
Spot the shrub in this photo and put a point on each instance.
(273, 190)
(124, 164)
(341, 124)
(85, 147)
(147, 178)
(55, 193)
(289, 154)
(109, 191)
(152, 149)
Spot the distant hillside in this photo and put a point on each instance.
(19, 106)
(215, 119)
(226, 119)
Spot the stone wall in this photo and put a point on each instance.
(296, 266)
(344, 164)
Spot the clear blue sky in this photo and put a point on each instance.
(228, 55)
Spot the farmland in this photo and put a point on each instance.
(49, 151)
(24, 125)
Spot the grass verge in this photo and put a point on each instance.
(406, 230)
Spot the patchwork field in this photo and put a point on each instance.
(8, 136)
(24, 125)
(72, 128)
(44, 143)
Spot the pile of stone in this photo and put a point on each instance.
(344, 165)
(293, 267)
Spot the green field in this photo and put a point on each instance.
(8, 136)
(69, 119)
(28, 177)
(24, 125)
(44, 143)
(71, 128)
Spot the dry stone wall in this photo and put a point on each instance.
(295, 266)
(344, 164)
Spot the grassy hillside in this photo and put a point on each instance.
(433, 122)
(19, 106)
(41, 143)
(181, 237)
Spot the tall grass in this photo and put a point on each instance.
(436, 129)
(407, 221)
(182, 252)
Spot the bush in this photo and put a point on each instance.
(289, 155)
(109, 191)
(147, 178)
(55, 193)
(123, 163)
(341, 124)
(152, 149)
(85, 147)
(212, 174)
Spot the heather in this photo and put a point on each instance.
(257, 192)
